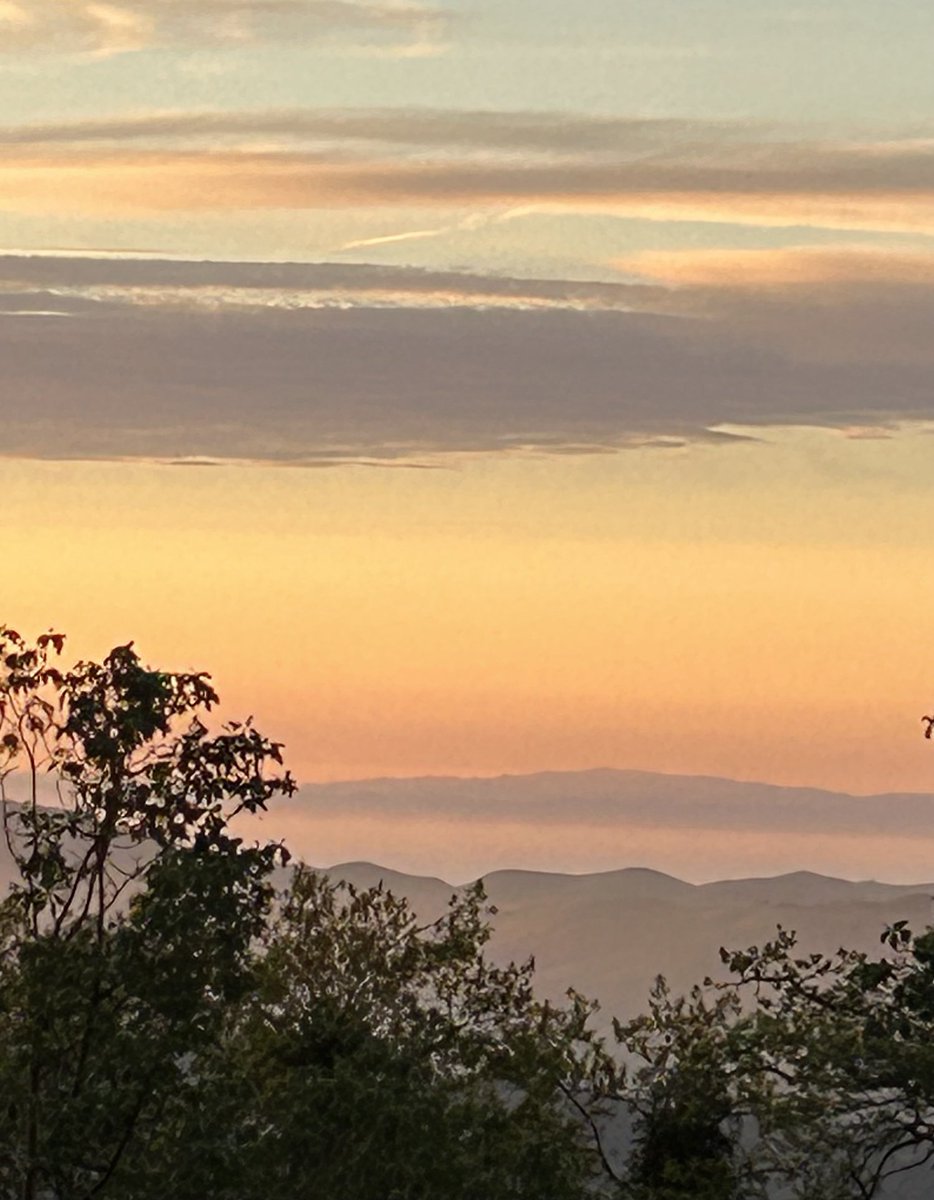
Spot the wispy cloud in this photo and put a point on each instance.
(490, 130)
(119, 26)
(472, 222)
(128, 280)
(412, 235)
(484, 161)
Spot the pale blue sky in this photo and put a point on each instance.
(849, 64)
(770, 72)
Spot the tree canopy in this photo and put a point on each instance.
(802, 1075)
(179, 1017)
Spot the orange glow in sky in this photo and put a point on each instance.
(735, 611)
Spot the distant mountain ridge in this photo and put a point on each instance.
(610, 934)
(609, 794)
(801, 887)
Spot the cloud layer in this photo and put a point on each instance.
(332, 363)
(324, 363)
(664, 169)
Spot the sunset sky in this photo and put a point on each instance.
(483, 386)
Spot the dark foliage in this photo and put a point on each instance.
(170, 1026)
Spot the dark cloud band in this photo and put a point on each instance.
(91, 373)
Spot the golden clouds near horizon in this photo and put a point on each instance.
(786, 266)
